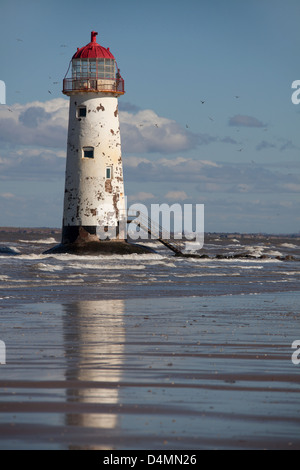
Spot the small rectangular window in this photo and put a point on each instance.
(81, 111)
(108, 172)
(88, 152)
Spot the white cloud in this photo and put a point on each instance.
(177, 169)
(292, 187)
(141, 196)
(8, 196)
(33, 139)
(27, 163)
(209, 176)
(134, 161)
(245, 121)
(145, 132)
(36, 123)
(176, 195)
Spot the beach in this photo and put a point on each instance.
(150, 351)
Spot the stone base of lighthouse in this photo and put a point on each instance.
(81, 240)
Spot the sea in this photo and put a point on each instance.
(150, 351)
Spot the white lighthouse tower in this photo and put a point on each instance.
(94, 215)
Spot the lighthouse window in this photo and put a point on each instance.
(106, 68)
(92, 68)
(109, 71)
(100, 67)
(84, 67)
(81, 111)
(108, 172)
(88, 152)
(76, 68)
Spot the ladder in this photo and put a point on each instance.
(145, 223)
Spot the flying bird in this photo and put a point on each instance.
(210, 118)
(49, 92)
(202, 101)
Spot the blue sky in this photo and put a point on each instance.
(237, 153)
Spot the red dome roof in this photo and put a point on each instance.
(93, 50)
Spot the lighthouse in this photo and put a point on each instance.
(94, 213)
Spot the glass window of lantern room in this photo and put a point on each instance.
(100, 68)
(76, 68)
(109, 71)
(92, 67)
(84, 67)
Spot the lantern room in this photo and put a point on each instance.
(93, 69)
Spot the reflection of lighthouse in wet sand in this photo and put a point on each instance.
(94, 366)
(94, 218)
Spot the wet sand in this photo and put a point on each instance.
(165, 373)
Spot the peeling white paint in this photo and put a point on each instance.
(92, 199)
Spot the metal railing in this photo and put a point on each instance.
(160, 234)
(92, 84)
